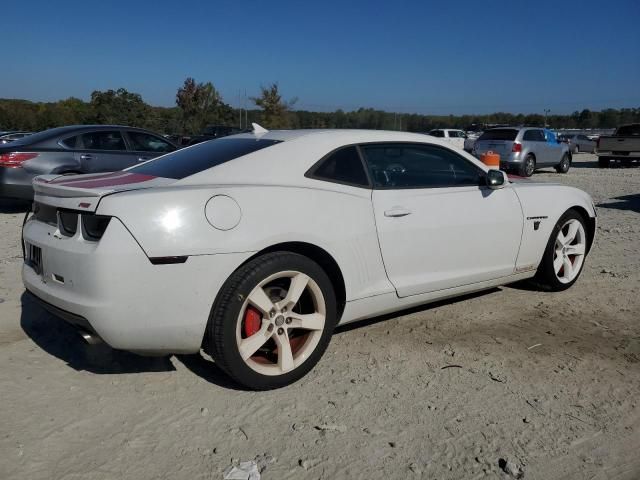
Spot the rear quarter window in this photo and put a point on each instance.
(341, 166)
(191, 160)
(504, 134)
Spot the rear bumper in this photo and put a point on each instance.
(111, 288)
(16, 183)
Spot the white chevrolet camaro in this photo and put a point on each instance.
(254, 247)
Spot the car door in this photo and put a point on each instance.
(102, 151)
(438, 226)
(457, 138)
(538, 145)
(146, 146)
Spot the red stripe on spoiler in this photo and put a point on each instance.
(65, 179)
(108, 181)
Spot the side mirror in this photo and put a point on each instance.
(496, 179)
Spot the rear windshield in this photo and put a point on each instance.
(499, 134)
(629, 130)
(200, 157)
(40, 136)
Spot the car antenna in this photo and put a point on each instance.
(258, 130)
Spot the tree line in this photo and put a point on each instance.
(200, 104)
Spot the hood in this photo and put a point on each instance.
(85, 191)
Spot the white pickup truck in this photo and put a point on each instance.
(623, 145)
(456, 137)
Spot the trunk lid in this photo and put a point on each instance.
(83, 192)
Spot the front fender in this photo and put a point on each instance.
(542, 206)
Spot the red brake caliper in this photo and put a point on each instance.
(252, 321)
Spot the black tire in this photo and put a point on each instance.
(604, 162)
(545, 277)
(220, 336)
(528, 166)
(564, 165)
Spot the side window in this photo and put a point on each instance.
(342, 166)
(418, 166)
(533, 136)
(70, 142)
(143, 142)
(550, 136)
(102, 140)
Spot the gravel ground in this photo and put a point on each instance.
(508, 383)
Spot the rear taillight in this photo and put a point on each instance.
(15, 159)
(68, 222)
(94, 226)
(517, 147)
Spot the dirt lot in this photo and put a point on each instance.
(549, 383)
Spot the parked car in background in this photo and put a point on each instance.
(214, 131)
(74, 149)
(254, 247)
(623, 145)
(470, 141)
(10, 137)
(453, 136)
(524, 149)
(578, 142)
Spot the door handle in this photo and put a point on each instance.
(397, 212)
(86, 156)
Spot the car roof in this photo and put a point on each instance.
(286, 162)
(49, 138)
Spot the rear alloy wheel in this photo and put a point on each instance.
(564, 165)
(528, 166)
(565, 253)
(272, 320)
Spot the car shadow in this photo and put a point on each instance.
(207, 370)
(628, 202)
(584, 163)
(420, 308)
(58, 338)
(14, 206)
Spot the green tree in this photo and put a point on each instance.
(275, 111)
(201, 104)
(118, 107)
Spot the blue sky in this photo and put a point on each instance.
(407, 56)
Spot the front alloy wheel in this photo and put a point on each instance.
(565, 253)
(569, 250)
(272, 320)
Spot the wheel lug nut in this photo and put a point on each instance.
(280, 331)
(288, 321)
(270, 327)
(272, 313)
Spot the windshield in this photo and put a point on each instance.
(200, 157)
(508, 134)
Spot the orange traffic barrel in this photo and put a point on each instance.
(491, 159)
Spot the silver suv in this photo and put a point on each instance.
(524, 149)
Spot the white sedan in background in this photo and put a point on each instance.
(254, 247)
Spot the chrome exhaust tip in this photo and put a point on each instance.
(91, 338)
